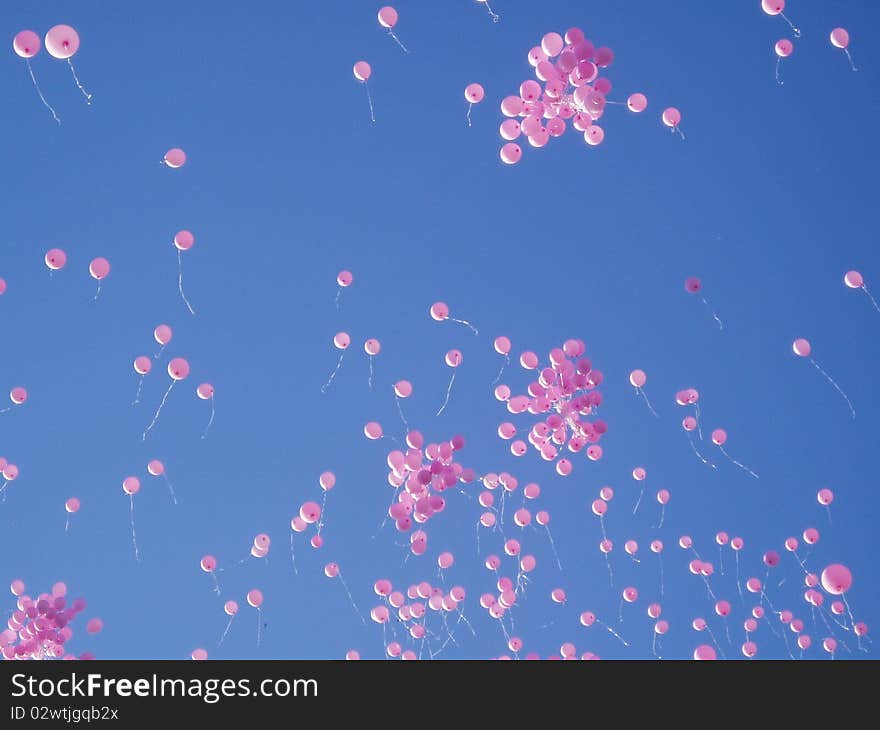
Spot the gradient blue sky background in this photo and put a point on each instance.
(770, 199)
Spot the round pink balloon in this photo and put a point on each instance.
(175, 157)
(255, 597)
(671, 117)
(362, 71)
(26, 44)
(156, 468)
(637, 103)
(372, 346)
(344, 278)
(143, 365)
(836, 579)
(341, 340)
(55, 259)
(205, 391)
(163, 334)
(184, 240)
(853, 279)
(387, 17)
(801, 347)
(839, 38)
(511, 153)
(131, 485)
(474, 93)
(692, 284)
(62, 42)
(18, 395)
(704, 652)
(638, 378)
(178, 368)
(99, 268)
(72, 505)
(784, 48)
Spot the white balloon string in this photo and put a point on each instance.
(97, 292)
(170, 487)
(292, 556)
(67, 523)
(613, 632)
(778, 80)
(216, 583)
(370, 381)
(470, 106)
(836, 386)
(852, 64)
(351, 600)
(828, 512)
(738, 581)
(40, 93)
(180, 282)
(85, 93)
(620, 612)
(714, 313)
(553, 546)
(714, 640)
(662, 516)
(338, 294)
(495, 17)
(796, 31)
(228, 626)
(503, 365)
(403, 47)
(721, 559)
(639, 500)
(660, 559)
(466, 324)
(699, 455)
(333, 374)
(448, 393)
(400, 411)
(323, 510)
(137, 555)
(159, 354)
(370, 100)
(210, 420)
(137, 396)
(645, 396)
(873, 301)
(734, 461)
(699, 419)
(158, 411)
(678, 129)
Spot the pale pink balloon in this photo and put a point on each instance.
(853, 279)
(163, 334)
(522, 517)
(836, 579)
(453, 358)
(208, 563)
(62, 42)
(18, 395)
(839, 38)
(439, 311)
(344, 278)
(791, 544)
(26, 44)
(362, 71)
(474, 93)
(773, 7)
(722, 608)
(563, 467)
(737, 543)
(663, 496)
(94, 625)
(372, 346)
(445, 560)
(511, 153)
(552, 44)
(704, 652)
(557, 595)
(671, 117)
(639, 473)
(630, 594)
(637, 103)
(861, 629)
(373, 430)
(692, 285)
(719, 437)
(2, 285)
(156, 468)
(510, 129)
(403, 389)
(327, 480)
(722, 538)
(55, 259)
(184, 240)
(512, 106)
(594, 452)
(804, 642)
(178, 369)
(685, 542)
(310, 512)
(72, 505)
(17, 587)
(638, 378)
(143, 365)
(230, 608)
(387, 17)
(830, 645)
(341, 340)
(825, 497)
(298, 524)
(784, 48)
(631, 547)
(9, 472)
(801, 347)
(175, 158)
(502, 345)
(205, 391)
(811, 536)
(606, 493)
(255, 597)
(753, 585)
(771, 558)
(594, 135)
(331, 570)
(689, 423)
(99, 268)
(661, 627)
(131, 485)
(528, 563)
(749, 649)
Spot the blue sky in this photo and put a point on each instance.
(769, 200)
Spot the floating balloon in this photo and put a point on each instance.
(55, 259)
(671, 117)
(638, 378)
(26, 45)
(783, 49)
(473, 94)
(840, 39)
(693, 285)
(388, 19)
(362, 72)
(178, 369)
(183, 241)
(345, 279)
(802, 348)
(341, 341)
(71, 506)
(719, 438)
(453, 360)
(99, 269)
(440, 313)
(854, 280)
(174, 158)
(775, 7)
(156, 468)
(372, 347)
(131, 486)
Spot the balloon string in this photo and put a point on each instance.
(470, 106)
(333, 374)
(3, 486)
(714, 314)
(778, 80)
(699, 455)
(180, 282)
(620, 612)
(228, 626)
(85, 93)
(660, 559)
(553, 546)
(738, 581)
(292, 556)
(448, 393)
(721, 559)
(610, 571)
(836, 386)
(210, 420)
(67, 524)
(612, 631)
(403, 47)
(159, 354)
(495, 17)
(466, 324)
(678, 129)
(873, 301)
(400, 411)
(370, 100)
(370, 381)
(170, 488)
(503, 365)
(662, 516)
(158, 411)
(644, 395)
(734, 461)
(338, 294)
(714, 640)
(796, 31)
(216, 583)
(852, 64)
(40, 93)
(137, 555)
(137, 396)
(97, 292)
(639, 500)
(351, 600)
(323, 510)
(259, 626)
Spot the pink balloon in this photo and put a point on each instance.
(205, 391)
(439, 311)
(606, 493)
(593, 135)
(530, 90)
(18, 395)
(331, 570)
(853, 279)
(773, 7)
(310, 512)
(557, 595)
(719, 437)
(663, 496)
(62, 42)
(552, 44)
(637, 378)
(208, 563)
(131, 485)
(445, 560)
(72, 505)
(692, 285)
(511, 153)
(784, 48)
(178, 369)
(722, 608)
(362, 71)
(387, 17)
(26, 44)
(94, 625)
(55, 259)
(630, 594)
(184, 240)
(474, 93)
(829, 645)
(811, 536)
(704, 652)
(836, 579)
(99, 268)
(510, 130)
(163, 334)
(689, 423)
(372, 346)
(671, 117)
(839, 38)
(327, 480)
(143, 365)
(341, 340)
(453, 358)
(637, 103)
(2, 285)
(156, 468)
(230, 608)
(255, 597)
(17, 587)
(825, 497)
(639, 473)
(801, 347)
(175, 158)
(403, 389)
(344, 278)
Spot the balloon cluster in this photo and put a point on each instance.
(567, 390)
(39, 629)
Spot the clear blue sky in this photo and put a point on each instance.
(769, 200)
